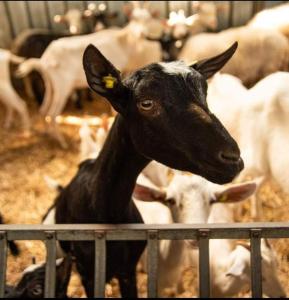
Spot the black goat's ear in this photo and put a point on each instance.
(104, 78)
(208, 67)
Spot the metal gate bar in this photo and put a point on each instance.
(3, 262)
(50, 270)
(204, 264)
(133, 232)
(152, 261)
(100, 264)
(256, 266)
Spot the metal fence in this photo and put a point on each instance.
(152, 233)
(15, 16)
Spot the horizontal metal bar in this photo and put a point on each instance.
(3, 262)
(50, 264)
(204, 264)
(85, 232)
(256, 265)
(152, 263)
(100, 264)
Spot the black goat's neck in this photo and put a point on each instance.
(117, 168)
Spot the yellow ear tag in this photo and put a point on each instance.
(223, 198)
(109, 81)
(193, 62)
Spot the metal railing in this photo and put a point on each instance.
(152, 233)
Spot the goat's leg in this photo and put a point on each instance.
(28, 87)
(89, 288)
(9, 117)
(128, 285)
(22, 110)
(12, 100)
(60, 98)
(55, 133)
(48, 99)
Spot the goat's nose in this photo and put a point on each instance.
(230, 157)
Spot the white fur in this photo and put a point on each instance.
(230, 265)
(273, 18)
(193, 196)
(61, 63)
(175, 68)
(8, 96)
(258, 119)
(32, 268)
(260, 52)
(205, 17)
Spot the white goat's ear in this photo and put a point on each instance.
(237, 268)
(148, 194)
(208, 67)
(236, 193)
(104, 78)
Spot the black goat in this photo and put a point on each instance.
(163, 115)
(32, 282)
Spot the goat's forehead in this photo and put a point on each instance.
(175, 68)
(189, 184)
(35, 267)
(165, 71)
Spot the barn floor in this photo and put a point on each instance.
(24, 196)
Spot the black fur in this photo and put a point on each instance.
(173, 132)
(32, 284)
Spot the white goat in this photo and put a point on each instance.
(61, 63)
(204, 17)
(8, 96)
(273, 18)
(267, 49)
(258, 119)
(189, 199)
(230, 264)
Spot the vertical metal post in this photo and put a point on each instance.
(100, 265)
(66, 6)
(8, 14)
(28, 12)
(50, 269)
(152, 267)
(167, 7)
(256, 263)
(204, 263)
(47, 14)
(3, 262)
(189, 10)
(84, 5)
(231, 13)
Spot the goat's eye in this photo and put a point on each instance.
(146, 105)
(37, 290)
(171, 201)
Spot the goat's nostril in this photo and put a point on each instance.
(229, 157)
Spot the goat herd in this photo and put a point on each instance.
(176, 114)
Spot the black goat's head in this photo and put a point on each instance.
(165, 109)
(32, 283)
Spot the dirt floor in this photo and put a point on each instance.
(25, 197)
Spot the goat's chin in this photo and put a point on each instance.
(218, 175)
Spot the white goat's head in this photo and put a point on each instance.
(238, 276)
(190, 197)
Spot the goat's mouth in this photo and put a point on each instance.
(219, 171)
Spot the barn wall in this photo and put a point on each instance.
(16, 16)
